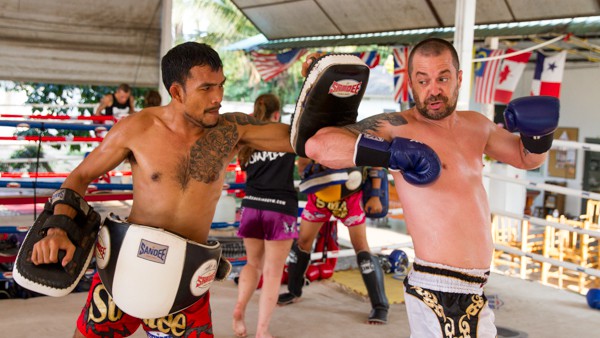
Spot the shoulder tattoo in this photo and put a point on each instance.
(373, 123)
(242, 119)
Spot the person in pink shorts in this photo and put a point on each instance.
(268, 222)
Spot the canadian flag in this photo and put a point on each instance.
(511, 70)
(548, 74)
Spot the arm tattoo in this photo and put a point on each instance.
(209, 152)
(242, 119)
(373, 123)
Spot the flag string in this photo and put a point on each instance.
(504, 56)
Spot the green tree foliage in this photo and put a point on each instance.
(220, 24)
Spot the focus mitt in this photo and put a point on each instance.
(54, 279)
(330, 96)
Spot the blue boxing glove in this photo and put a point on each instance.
(418, 163)
(536, 118)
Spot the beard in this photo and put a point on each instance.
(205, 121)
(209, 125)
(450, 106)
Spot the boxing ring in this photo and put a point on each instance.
(105, 192)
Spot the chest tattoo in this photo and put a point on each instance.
(373, 123)
(205, 162)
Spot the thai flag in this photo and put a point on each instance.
(370, 58)
(485, 75)
(270, 65)
(401, 89)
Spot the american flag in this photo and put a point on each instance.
(401, 89)
(370, 58)
(485, 75)
(270, 65)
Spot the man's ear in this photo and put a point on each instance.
(176, 92)
(276, 116)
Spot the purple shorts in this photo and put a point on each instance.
(268, 225)
(349, 210)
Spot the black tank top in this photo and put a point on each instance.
(270, 182)
(123, 108)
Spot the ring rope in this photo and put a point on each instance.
(51, 105)
(44, 159)
(350, 252)
(99, 186)
(60, 117)
(546, 187)
(575, 145)
(55, 139)
(541, 258)
(52, 125)
(55, 174)
(541, 221)
(90, 197)
(57, 185)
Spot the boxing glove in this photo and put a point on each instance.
(536, 118)
(417, 162)
(312, 273)
(325, 270)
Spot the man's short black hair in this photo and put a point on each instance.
(176, 64)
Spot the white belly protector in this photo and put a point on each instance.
(150, 272)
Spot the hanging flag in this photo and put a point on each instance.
(370, 58)
(401, 89)
(485, 75)
(548, 74)
(270, 65)
(511, 70)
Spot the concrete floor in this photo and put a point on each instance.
(325, 309)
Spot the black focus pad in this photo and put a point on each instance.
(330, 96)
(54, 279)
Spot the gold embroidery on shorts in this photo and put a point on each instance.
(174, 324)
(430, 300)
(449, 327)
(102, 307)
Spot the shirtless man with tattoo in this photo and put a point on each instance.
(448, 217)
(179, 154)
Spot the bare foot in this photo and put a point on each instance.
(264, 335)
(239, 327)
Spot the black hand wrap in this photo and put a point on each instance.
(54, 279)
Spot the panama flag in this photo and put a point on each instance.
(271, 65)
(511, 70)
(548, 74)
(401, 89)
(370, 58)
(485, 75)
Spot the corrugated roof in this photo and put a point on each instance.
(332, 23)
(278, 19)
(81, 42)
